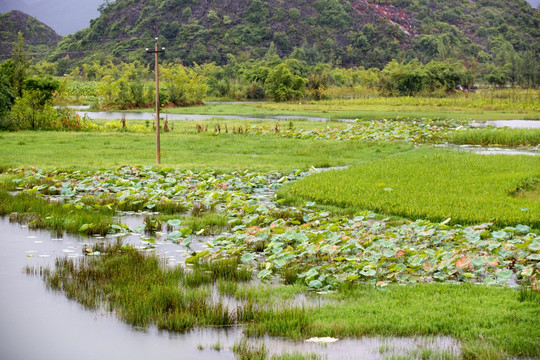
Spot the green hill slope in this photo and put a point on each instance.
(349, 33)
(37, 36)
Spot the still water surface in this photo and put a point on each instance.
(105, 115)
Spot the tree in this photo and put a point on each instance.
(21, 65)
(7, 97)
(34, 109)
(496, 76)
(282, 85)
(257, 12)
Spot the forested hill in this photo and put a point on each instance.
(348, 33)
(38, 37)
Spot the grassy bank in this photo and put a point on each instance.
(40, 213)
(431, 184)
(143, 292)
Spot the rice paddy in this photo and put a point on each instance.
(464, 188)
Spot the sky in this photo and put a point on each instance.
(53, 12)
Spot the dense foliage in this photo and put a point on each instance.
(348, 33)
(27, 102)
(131, 85)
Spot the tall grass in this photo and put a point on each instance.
(431, 184)
(495, 136)
(142, 291)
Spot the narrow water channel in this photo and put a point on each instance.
(513, 124)
(36, 323)
(106, 115)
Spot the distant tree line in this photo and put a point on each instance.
(27, 90)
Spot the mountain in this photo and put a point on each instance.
(53, 12)
(38, 37)
(65, 16)
(349, 33)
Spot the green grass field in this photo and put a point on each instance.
(227, 152)
(497, 136)
(432, 184)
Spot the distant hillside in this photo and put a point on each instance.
(38, 37)
(64, 16)
(349, 33)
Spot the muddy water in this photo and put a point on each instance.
(36, 323)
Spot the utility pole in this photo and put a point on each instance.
(156, 51)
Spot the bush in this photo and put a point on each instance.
(282, 85)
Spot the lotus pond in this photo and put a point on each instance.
(260, 242)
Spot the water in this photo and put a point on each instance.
(512, 124)
(36, 323)
(477, 149)
(105, 115)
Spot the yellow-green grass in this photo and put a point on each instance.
(432, 184)
(194, 151)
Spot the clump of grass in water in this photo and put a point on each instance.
(143, 291)
(207, 272)
(41, 214)
(244, 350)
(152, 224)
